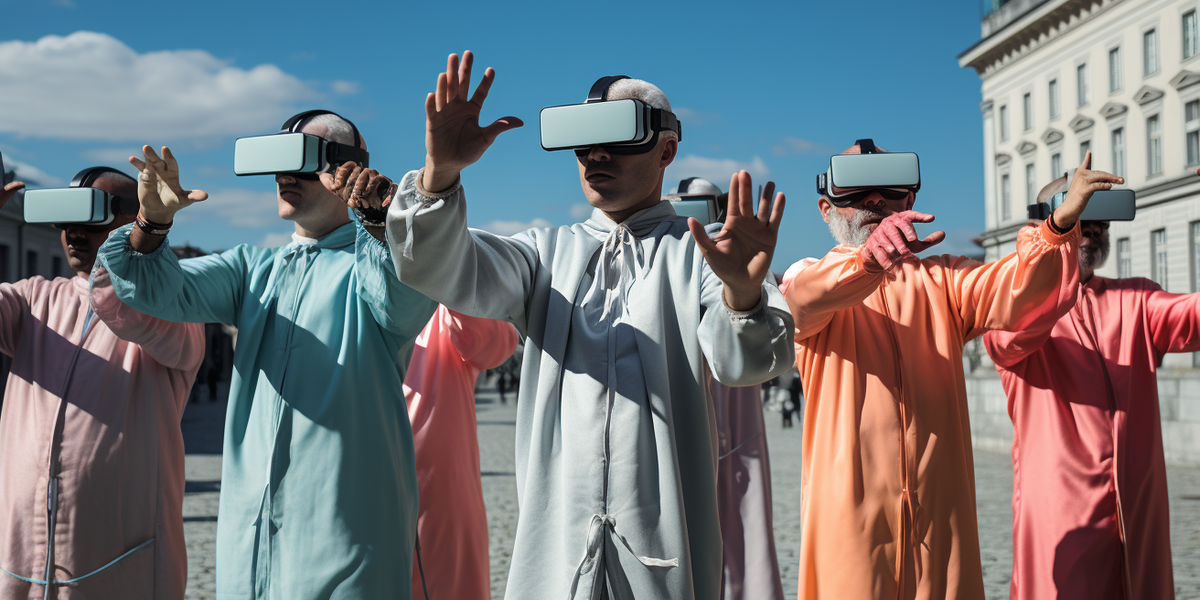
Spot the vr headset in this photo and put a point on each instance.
(1105, 205)
(851, 177)
(621, 126)
(292, 152)
(78, 203)
(699, 199)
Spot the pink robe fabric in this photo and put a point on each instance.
(1089, 482)
(440, 390)
(749, 560)
(121, 451)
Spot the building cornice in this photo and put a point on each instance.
(1025, 34)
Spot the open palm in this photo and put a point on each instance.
(740, 254)
(159, 192)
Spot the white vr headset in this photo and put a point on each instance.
(1105, 205)
(620, 126)
(78, 203)
(851, 177)
(700, 199)
(295, 153)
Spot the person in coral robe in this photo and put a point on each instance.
(439, 387)
(1089, 483)
(91, 420)
(887, 486)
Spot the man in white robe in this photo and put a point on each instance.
(625, 316)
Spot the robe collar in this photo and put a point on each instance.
(621, 257)
(338, 238)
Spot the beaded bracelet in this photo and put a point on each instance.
(151, 228)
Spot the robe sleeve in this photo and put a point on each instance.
(482, 343)
(744, 347)
(395, 306)
(469, 271)
(208, 289)
(14, 306)
(1027, 291)
(817, 289)
(1174, 319)
(178, 346)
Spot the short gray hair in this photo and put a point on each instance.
(623, 89)
(337, 129)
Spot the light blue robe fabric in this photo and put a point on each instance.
(318, 483)
(616, 443)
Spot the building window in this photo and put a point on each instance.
(1005, 198)
(1030, 184)
(56, 266)
(1053, 99)
(1114, 70)
(1189, 34)
(30, 263)
(1081, 84)
(1028, 101)
(1154, 164)
(1195, 252)
(4, 274)
(1150, 52)
(1004, 123)
(1118, 152)
(1055, 166)
(1158, 257)
(1191, 127)
(1124, 260)
(1084, 147)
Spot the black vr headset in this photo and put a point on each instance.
(1105, 205)
(852, 177)
(295, 153)
(79, 203)
(627, 126)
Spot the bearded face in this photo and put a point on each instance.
(854, 230)
(1093, 246)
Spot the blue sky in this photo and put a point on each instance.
(770, 87)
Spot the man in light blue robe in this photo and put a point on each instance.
(318, 481)
(625, 316)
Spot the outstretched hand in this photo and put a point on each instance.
(159, 192)
(740, 254)
(1085, 183)
(895, 240)
(359, 188)
(9, 190)
(453, 137)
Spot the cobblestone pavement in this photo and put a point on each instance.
(497, 430)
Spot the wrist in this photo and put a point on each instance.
(741, 300)
(437, 181)
(163, 219)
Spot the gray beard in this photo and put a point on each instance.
(850, 232)
(1092, 262)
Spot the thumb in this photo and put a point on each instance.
(932, 239)
(499, 126)
(197, 195)
(705, 243)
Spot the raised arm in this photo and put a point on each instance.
(395, 306)
(177, 346)
(816, 289)
(482, 343)
(1174, 320)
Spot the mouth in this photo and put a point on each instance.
(288, 195)
(598, 176)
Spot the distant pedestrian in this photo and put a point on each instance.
(502, 385)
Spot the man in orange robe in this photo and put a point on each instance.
(888, 486)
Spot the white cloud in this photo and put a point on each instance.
(237, 207)
(345, 88)
(580, 212)
(512, 227)
(31, 175)
(92, 86)
(716, 170)
(794, 145)
(274, 240)
(689, 116)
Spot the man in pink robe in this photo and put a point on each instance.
(1089, 484)
(440, 390)
(104, 393)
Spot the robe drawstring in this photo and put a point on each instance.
(615, 269)
(595, 543)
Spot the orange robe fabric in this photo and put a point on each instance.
(887, 500)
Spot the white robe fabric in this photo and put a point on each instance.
(616, 445)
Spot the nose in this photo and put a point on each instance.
(598, 154)
(874, 198)
(284, 179)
